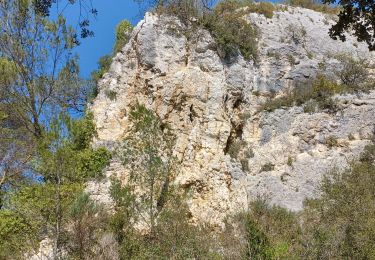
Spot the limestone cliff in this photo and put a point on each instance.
(212, 104)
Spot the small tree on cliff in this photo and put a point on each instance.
(147, 154)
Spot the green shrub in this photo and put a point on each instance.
(314, 5)
(290, 161)
(185, 10)
(231, 32)
(332, 141)
(104, 65)
(353, 72)
(310, 106)
(264, 232)
(92, 162)
(123, 31)
(249, 153)
(265, 8)
(368, 155)
(267, 167)
(274, 54)
(17, 235)
(291, 59)
(235, 148)
(111, 94)
(316, 93)
(341, 222)
(245, 164)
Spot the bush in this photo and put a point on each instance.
(123, 31)
(289, 161)
(314, 5)
(267, 167)
(235, 148)
(17, 236)
(111, 94)
(332, 141)
(185, 10)
(264, 8)
(341, 222)
(264, 232)
(92, 162)
(353, 72)
(232, 34)
(317, 93)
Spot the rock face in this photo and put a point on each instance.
(213, 105)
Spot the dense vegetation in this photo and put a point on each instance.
(46, 157)
(317, 94)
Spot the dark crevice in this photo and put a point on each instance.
(192, 113)
(238, 103)
(235, 134)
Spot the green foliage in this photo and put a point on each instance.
(82, 132)
(38, 203)
(91, 162)
(16, 235)
(353, 72)
(264, 232)
(246, 6)
(314, 5)
(122, 36)
(368, 155)
(148, 154)
(33, 215)
(112, 95)
(104, 64)
(73, 150)
(341, 222)
(258, 244)
(235, 148)
(291, 59)
(232, 32)
(85, 220)
(353, 18)
(122, 221)
(332, 141)
(123, 31)
(265, 8)
(290, 161)
(8, 71)
(321, 89)
(267, 167)
(185, 10)
(310, 106)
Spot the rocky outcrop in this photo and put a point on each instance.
(213, 105)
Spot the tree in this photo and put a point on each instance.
(65, 160)
(86, 10)
(148, 154)
(39, 78)
(357, 17)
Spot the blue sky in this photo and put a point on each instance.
(110, 13)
